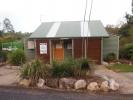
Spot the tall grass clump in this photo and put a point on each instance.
(35, 70)
(71, 68)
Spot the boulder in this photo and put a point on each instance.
(104, 86)
(80, 84)
(113, 85)
(105, 78)
(130, 64)
(52, 82)
(66, 83)
(93, 86)
(25, 82)
(105, 63)
(40, 83)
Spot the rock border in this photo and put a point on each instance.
(73, 84)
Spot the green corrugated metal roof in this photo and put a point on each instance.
(70, 29)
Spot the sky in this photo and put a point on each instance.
(27, 15)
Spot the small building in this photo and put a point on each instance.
(76, 39)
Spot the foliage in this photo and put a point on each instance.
(129, 19)
(127, 52)
(121, 67)
(70, 68)
(126, 28)
(35, 70)
(64, 69)
(110, 57)
(125, 40)
(67, 68)
(17, 57)
(112, 29)
(85, 64)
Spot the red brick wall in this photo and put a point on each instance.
(44, 57)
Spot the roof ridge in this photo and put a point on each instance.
(71, 21)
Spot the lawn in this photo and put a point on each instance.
(121, 68)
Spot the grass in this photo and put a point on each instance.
(121, 68)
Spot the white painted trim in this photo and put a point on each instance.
(72, 48)
(85, 32)
(52, 32)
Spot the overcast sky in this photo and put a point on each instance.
(26, 15)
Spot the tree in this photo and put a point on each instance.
(126, 29)
(8, 27)
(129, 19)
(112, 29)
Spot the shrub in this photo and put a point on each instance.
(85, 64)
(17, 57)
(70, 68)
(127, 52)
(110, 57)
(63, 69)
(35, 70)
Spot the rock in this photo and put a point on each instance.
(40, 83)
(130, 63)
(105, 63)
(104, 78)
(112, 63)
(113, 85)
(80, 84)
(15, 67)
(52, 82)
(104, 86)
(66, 83)
(93, 86)
(118, 62)
(25, 82)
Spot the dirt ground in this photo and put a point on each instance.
(9, 75)
(124, 79)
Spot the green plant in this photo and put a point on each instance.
(62, 69)
(35, 70)
(85, 64)
(17, 57)
(127, 52)
(121, 67)
(110, 57)
(70, 68)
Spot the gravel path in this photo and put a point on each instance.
(125, 80)
(8, 75)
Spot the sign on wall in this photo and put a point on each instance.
(43, 48)
(31, 45)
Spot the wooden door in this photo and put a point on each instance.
(59, 52)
